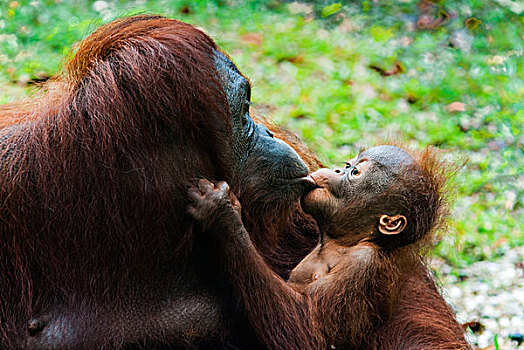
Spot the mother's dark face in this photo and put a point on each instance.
(266, 168)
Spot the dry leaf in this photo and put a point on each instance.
(456, 107)
(252, 39)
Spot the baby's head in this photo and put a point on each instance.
(384, 195)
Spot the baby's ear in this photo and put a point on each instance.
(392, 225)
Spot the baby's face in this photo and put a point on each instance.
(364, 177)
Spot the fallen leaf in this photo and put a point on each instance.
(456, 107)
(254, 39)
(185, 10)
(475, 326)
(331, 9)
(292, 59)
(472, 23)
(397, 69)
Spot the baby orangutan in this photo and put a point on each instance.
(374, 217)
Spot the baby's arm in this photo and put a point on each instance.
(280, 316)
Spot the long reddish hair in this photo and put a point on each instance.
(95, 166)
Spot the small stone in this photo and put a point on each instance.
(504, 322)
(484, 339)
(462, 40)
(496, 60)
(455, 292)
(100, 6)
(300, 8)
(490, 311)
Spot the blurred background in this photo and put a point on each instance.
(345, 75)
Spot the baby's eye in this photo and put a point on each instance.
(355, 172)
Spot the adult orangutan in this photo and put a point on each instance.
(365, 285)
(96, 249)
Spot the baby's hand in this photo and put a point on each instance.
(209, 202)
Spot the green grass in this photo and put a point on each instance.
(309, 65)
